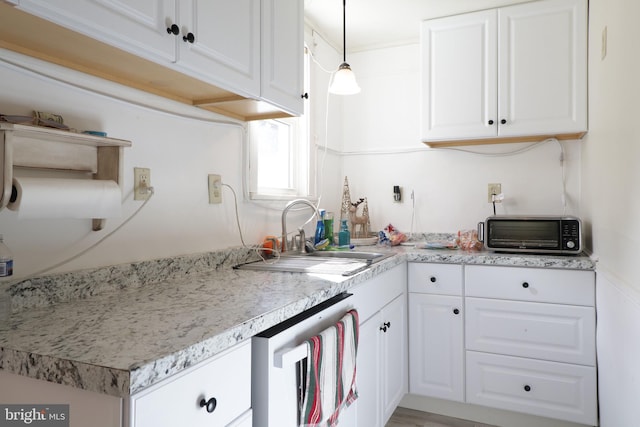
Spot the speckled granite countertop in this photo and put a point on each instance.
(119, 329)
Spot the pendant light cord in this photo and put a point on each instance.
(344, 30)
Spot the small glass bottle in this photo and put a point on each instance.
(319, 228)
(6, 260)
(344, 237)
(328, 227)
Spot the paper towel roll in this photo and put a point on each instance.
(66, 198)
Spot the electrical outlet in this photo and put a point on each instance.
(215, 189)
(141, 183)
(494, 189)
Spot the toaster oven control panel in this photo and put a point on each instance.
(570, 235)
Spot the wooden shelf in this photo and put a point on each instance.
(42, 148)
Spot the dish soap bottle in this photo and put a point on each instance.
(344, 236)
(319, 228)
(6, 260)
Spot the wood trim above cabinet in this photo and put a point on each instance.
(502, 140)
(29, 35)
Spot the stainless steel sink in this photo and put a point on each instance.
(345, 263)
(372, 256)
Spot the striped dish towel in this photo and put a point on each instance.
(331, 373)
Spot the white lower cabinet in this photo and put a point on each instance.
(436, 322)
(523, 340)
(382, 349)
(216, 392)
(86, 408)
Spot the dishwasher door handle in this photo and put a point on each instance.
(289, 356)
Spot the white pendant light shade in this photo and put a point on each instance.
(344, 81)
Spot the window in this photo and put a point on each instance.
(279, 154)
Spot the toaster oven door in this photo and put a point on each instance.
(539, 234)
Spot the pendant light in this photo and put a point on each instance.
(344, 80)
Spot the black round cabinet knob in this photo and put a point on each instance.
(173, 29)
(456, 311)
(527, 388)
(189, 38)
(210, 404)
(525, 285)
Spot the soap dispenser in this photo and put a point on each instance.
(344, 236)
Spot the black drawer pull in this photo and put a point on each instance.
(432, 279)
(209, 404)
(525, 285)
(490, 122)
(456, 311)
(527, 388)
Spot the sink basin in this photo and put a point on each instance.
(367, 256)
(345, 263)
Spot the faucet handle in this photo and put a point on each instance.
(303, 239)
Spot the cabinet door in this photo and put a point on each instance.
(225, 48)
(369, 373)
(459, 68)
(282, 54)
(87, 408)
(436, 347)
(136, 26)
(394, 355)
(543, 68)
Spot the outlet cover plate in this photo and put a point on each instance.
(141, 180)
(215, 189)
(493, 189)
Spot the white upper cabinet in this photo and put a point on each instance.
(282, 54)
(138, 26)
(220, 40)
(542, 68)
(517, 73)
(459, 67)
(241, 58)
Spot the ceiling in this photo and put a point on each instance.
(382, 23)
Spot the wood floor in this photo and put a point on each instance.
(404, 417)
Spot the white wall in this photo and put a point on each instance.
(179, 150)
(382, 142)
(611, 203)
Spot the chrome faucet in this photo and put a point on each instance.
(284, 222)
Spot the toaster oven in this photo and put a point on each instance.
(533, 234)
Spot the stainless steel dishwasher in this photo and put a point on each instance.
(278, 364)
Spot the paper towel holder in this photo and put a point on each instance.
(36, 147)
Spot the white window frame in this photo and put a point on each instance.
(302, 167)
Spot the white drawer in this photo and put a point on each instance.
(370, 296)
(548, 389)
(561, 333)
(575, 287)
(176, 400)
(443, 279)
